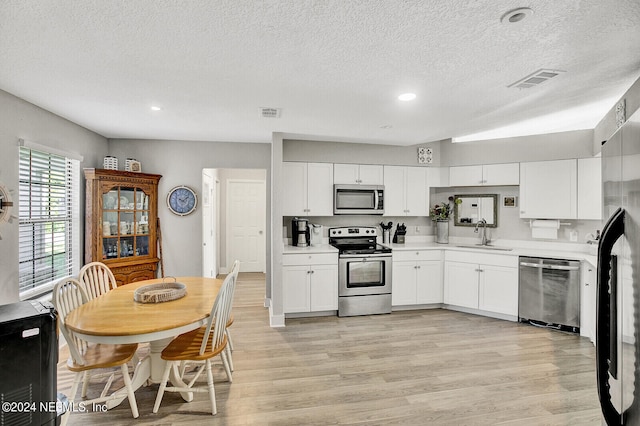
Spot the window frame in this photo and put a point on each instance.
(43, 183)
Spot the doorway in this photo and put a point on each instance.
(234, 220)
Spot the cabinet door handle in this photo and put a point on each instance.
(479, 270)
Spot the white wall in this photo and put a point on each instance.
(22, 120)
(607, 126)
(552, 146)
(181, 163)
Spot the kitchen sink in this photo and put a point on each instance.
(481, 247)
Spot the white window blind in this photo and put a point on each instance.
(49, 220)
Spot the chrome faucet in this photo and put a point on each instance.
(482, 223)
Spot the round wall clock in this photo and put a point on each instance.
(5, 206)
(182, 200)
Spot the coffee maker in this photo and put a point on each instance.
(300, 235)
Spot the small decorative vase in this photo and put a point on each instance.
(442, 231)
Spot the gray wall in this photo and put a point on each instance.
(357, 153)
(181, 163)
(22, 120)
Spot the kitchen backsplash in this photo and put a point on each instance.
(510, 226)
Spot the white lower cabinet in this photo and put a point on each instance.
(416, 277)
(310, 282)
(588, 302)
(489, 283)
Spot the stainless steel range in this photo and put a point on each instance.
(364, 271)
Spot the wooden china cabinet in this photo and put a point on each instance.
(120, 222)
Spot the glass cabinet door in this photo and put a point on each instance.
(125, 223)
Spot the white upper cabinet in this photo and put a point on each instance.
(483, 175)
(307, 189)
(590, 188)
(501, 174)
(405, 190)
(358, 174)
(548, 189)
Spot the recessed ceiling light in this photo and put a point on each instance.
(516, 15)
(407, 96)
(155, 108)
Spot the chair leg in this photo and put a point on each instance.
(212, 390)
(230, 358)
(163, 385)
(129, 387)
(228, 333)
(85, 383)
(225, 363)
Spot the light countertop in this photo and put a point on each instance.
(322, 248)
(515, 251)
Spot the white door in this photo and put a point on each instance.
(319, 189)
(548, 189)
(461, 284)
(246, 212)
(429, 282)
(417, 190)
(394, 191)
(209, 253)
(498, 289)
(403, 277)
(371, 174)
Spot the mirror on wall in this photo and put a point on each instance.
(471, 208)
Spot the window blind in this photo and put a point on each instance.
(49, 220)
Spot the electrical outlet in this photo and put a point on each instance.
(417, 229)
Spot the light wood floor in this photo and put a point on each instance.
(432, 367)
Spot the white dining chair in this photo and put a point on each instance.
(234, 272)
(69, 294)
(202, 345)
(97, 279)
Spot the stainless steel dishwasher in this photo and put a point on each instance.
(549, 293)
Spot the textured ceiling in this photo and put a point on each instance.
(335, 67)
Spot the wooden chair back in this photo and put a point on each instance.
(69, 294)
(97, 279)
(218, 316)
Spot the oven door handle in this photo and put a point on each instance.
(544, 266)
(364, 256)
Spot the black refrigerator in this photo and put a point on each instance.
(618, 293)
(28, 359)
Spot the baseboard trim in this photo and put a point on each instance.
(275, 321)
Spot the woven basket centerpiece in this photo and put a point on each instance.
(161, 292)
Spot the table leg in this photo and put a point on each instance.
(141, 374)
(150, 368)
(158, 365)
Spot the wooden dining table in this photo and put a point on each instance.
(115, 318)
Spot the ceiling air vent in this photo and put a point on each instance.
(270, 112)
(536, 78)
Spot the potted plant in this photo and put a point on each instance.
(440, 214)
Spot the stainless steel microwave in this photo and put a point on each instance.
(358, 199)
